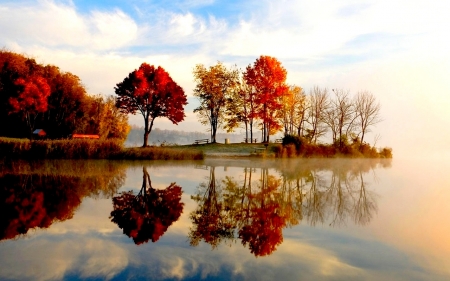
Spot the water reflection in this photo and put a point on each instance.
(148, 214)
(37, 194)
(256, 207)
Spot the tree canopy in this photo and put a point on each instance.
(151, 92)
(42, 96)
(267, 78)
(214, 85)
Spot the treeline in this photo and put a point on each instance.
(171, 137)
(259, 98)
(35, 96)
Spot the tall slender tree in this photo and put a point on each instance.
(367, 112)
(319, 104)
(214, 86)
(241, 108)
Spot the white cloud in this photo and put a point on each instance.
(396, 49)
(56, 25)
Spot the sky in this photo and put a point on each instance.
(396, 49)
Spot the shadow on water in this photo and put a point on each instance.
(147, 215)
(37, 194)
(255, 207)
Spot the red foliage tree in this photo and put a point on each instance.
(32, 99)
(149, 214)
(267, 78)
(153, 93)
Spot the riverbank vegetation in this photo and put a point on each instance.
(294, 146)
(89, 149)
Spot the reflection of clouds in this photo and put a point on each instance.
(174, 268)
(45, 259)
(87, 219)
(108, 260)
(293, 261)
(316, 260)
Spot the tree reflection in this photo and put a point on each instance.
(147, 215)
(35, 195)
(262, 226)
(256, 211)
(211, 221)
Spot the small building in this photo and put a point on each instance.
(81, 136)
(39, 133)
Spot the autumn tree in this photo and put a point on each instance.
(267, 78)
(367, 112)
(214, 85)
(152, 92)
(32, 99)
(241, 109)
(65, 110)
(65, 103)
(102, 117)
(293, 110)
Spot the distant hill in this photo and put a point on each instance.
(158, 136)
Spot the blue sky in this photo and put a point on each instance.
(396, 49)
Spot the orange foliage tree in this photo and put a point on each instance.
(153, 93)
(32, 99)
(214, 86)
(267, 78)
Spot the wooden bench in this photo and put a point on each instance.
(249, 140)
(279, 140)
(201, 141)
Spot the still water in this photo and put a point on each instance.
(225, 220)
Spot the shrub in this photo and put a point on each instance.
(295, 140)
(386, 152)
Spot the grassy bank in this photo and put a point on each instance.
(112, 149)
(158, 153)
(88, 149)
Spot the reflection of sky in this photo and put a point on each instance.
(403, 241)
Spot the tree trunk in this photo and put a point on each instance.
(246, 132)
(147, 130)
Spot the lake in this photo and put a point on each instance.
(225, 219)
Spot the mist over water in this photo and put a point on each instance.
(222, 219)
